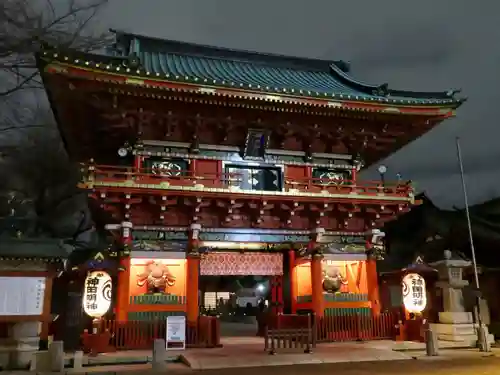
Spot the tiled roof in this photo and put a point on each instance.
(274, 74)
(31, 248)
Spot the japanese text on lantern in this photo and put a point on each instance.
(97, 294)
(414, 293)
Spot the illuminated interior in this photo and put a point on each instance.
(211, 298)
(140, 268)
(354, 272)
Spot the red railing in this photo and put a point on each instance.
(283, 331)
(113, 174)
(317, 185)
(340, 328)
(355, 327)
(140, 335)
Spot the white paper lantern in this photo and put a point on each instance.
(414, 293)
(97, 294)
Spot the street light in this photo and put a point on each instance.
(482, 338)
(122, 152)
(382, 170)
(399, 177)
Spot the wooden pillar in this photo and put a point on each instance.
(193, 275)
(123, 282)
(318, 303)
(277, 294)
(308, 176)
(294, 288)
(317, 285)
(192, 167)
(138, 159)
(373, 287)
(47, 303)
(354, 175)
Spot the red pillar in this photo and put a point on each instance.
(354, 176)
(277, 294)
(317, 285)
(373, 287)
(293, 281)
(123, 284)
(318, 303)
(192, 167)
(138, 159)
(193, 272)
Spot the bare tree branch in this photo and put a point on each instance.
(40, 183)
(25, 26)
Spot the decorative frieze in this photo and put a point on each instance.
(268, 158)
(329, 239)
(159, 245)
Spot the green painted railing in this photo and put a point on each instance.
(348, 311)
(153, 315)
(337, 297)
(157, 299)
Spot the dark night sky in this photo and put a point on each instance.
(419, 45)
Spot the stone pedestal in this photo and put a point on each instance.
(455, 324)
(159, 355)
(17, 351)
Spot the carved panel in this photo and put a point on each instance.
(166, 167)
(331, 176)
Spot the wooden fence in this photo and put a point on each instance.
(355, 327)
(140, 335)
(283, 331)
(303, 332)
(286, 332)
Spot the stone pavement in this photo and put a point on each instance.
(249, 352)
(239, 352)
(254, 346)
(457, 366)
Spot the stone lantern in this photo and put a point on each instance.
(455, 324)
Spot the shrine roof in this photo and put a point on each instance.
(268, 74)
(50, 250)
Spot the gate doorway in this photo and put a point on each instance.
(241, 289)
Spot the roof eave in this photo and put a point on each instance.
(371, 89)
(327, 100)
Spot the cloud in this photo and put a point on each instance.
(422, 45)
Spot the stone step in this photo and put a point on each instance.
(455, 317)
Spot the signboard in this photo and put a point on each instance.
(21, 295)
(176, 333)
(414, 293)
(97, 294)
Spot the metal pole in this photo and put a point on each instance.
(472, 249)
